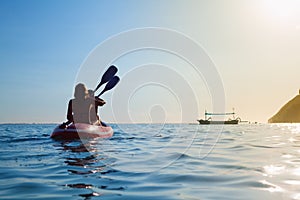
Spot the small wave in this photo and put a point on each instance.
(30, 139)
(261, 146)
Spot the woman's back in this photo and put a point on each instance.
(81, 110)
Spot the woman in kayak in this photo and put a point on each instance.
(79, 107)
(94, 117)
(83, 108)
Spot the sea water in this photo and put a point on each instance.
(152, 161)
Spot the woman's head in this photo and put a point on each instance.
(80, 91)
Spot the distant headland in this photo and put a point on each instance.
(289, 113)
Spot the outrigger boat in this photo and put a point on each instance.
(210, 121)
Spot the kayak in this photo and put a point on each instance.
(82, 131)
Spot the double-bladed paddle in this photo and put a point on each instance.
(108, 75)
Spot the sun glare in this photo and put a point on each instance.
(282, 9)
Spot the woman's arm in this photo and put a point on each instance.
(99, 102)
(70, 112)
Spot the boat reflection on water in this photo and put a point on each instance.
(83, 158)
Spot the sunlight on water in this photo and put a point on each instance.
(296, 196)
(292, 182)
(297, 171)
(271, 187)
(287, 156)
(273, 170)
(294, 128)
(292, 140)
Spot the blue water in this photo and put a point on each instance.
(247, 161)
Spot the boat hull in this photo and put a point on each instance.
(81, 131)
(205, 122)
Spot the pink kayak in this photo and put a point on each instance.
(82, 131)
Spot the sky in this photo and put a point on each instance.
(46, 47)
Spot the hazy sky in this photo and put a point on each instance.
(254, 45)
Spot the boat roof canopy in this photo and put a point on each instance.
(206, 113)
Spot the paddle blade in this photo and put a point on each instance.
(111, 84)
(110, 72)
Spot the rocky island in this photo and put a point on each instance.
(289, 113)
